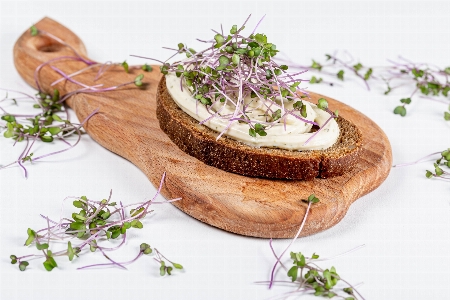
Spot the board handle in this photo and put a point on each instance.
(30, 52)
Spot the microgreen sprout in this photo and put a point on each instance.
(312, 199)
(306, 275)
(308, 278)
(147, 68)
(430, 81)
(236, 70)
(125, 66)
(49, 124)
(52, 121)
(93, 224)
(442, 162)
(441, 166)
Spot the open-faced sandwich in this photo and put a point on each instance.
(233, 107)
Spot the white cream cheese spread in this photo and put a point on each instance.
(290, 133)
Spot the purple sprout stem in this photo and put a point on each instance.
(63, 150)
(20, 158)
(417, 161)
(351, 68)
(138, 56)
(436, 100)
(71, 79)
(320, 129)
(111, 264)
(104, 67)
(82, 90)
(48, 62)
(76, 73)
(161, 255)
(292, 241)
(258, 24)
(110, 259)
(67, 45)
(14, 91)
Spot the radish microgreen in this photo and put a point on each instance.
(233, 67)
(92, 225)
(430, 81)
(306, 275)
(52, 122)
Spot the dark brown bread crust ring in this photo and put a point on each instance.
(229, 155)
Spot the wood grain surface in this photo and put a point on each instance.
(126, 125)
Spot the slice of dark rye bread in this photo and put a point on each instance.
(227, 154)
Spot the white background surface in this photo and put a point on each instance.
(405, 224)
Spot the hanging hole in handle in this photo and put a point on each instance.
(46, 44)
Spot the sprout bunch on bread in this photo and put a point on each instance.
(235, 67)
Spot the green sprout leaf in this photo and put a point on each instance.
(223, 62)
(147, 68)
(406, 100)
(34, 31)
(31, 237)
(55, 96)
(9, 118)
(368, 74)
(165, 69)
(138, 80)
(340, 75)
(348, 290)
(313, 199)
(190, 52)
(41, 246)
(162, 269)
(358, 67)
(125, 66)
(136, 224)
(46, 138)
(259, 129)
(400, 110)
(316, 80)
(219, 39)
(293, 273)
(181, 69)
(438, 170)
(322, 103)
(70, 251)
(316, 65)
(145, 248)
(54, 130)
(177, 266)
(78, 204)
(23, 265)
(446, 116)
(298, 104)
(13, 259)
(50, 263)
(235, 59)
(93, 246)
(57, 118)
(276, 115)
(417, 73)
(169, 270)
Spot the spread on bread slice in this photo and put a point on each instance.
(234, 108)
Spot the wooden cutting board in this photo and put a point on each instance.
(126, 124)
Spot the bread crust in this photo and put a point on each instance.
(229, 155)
